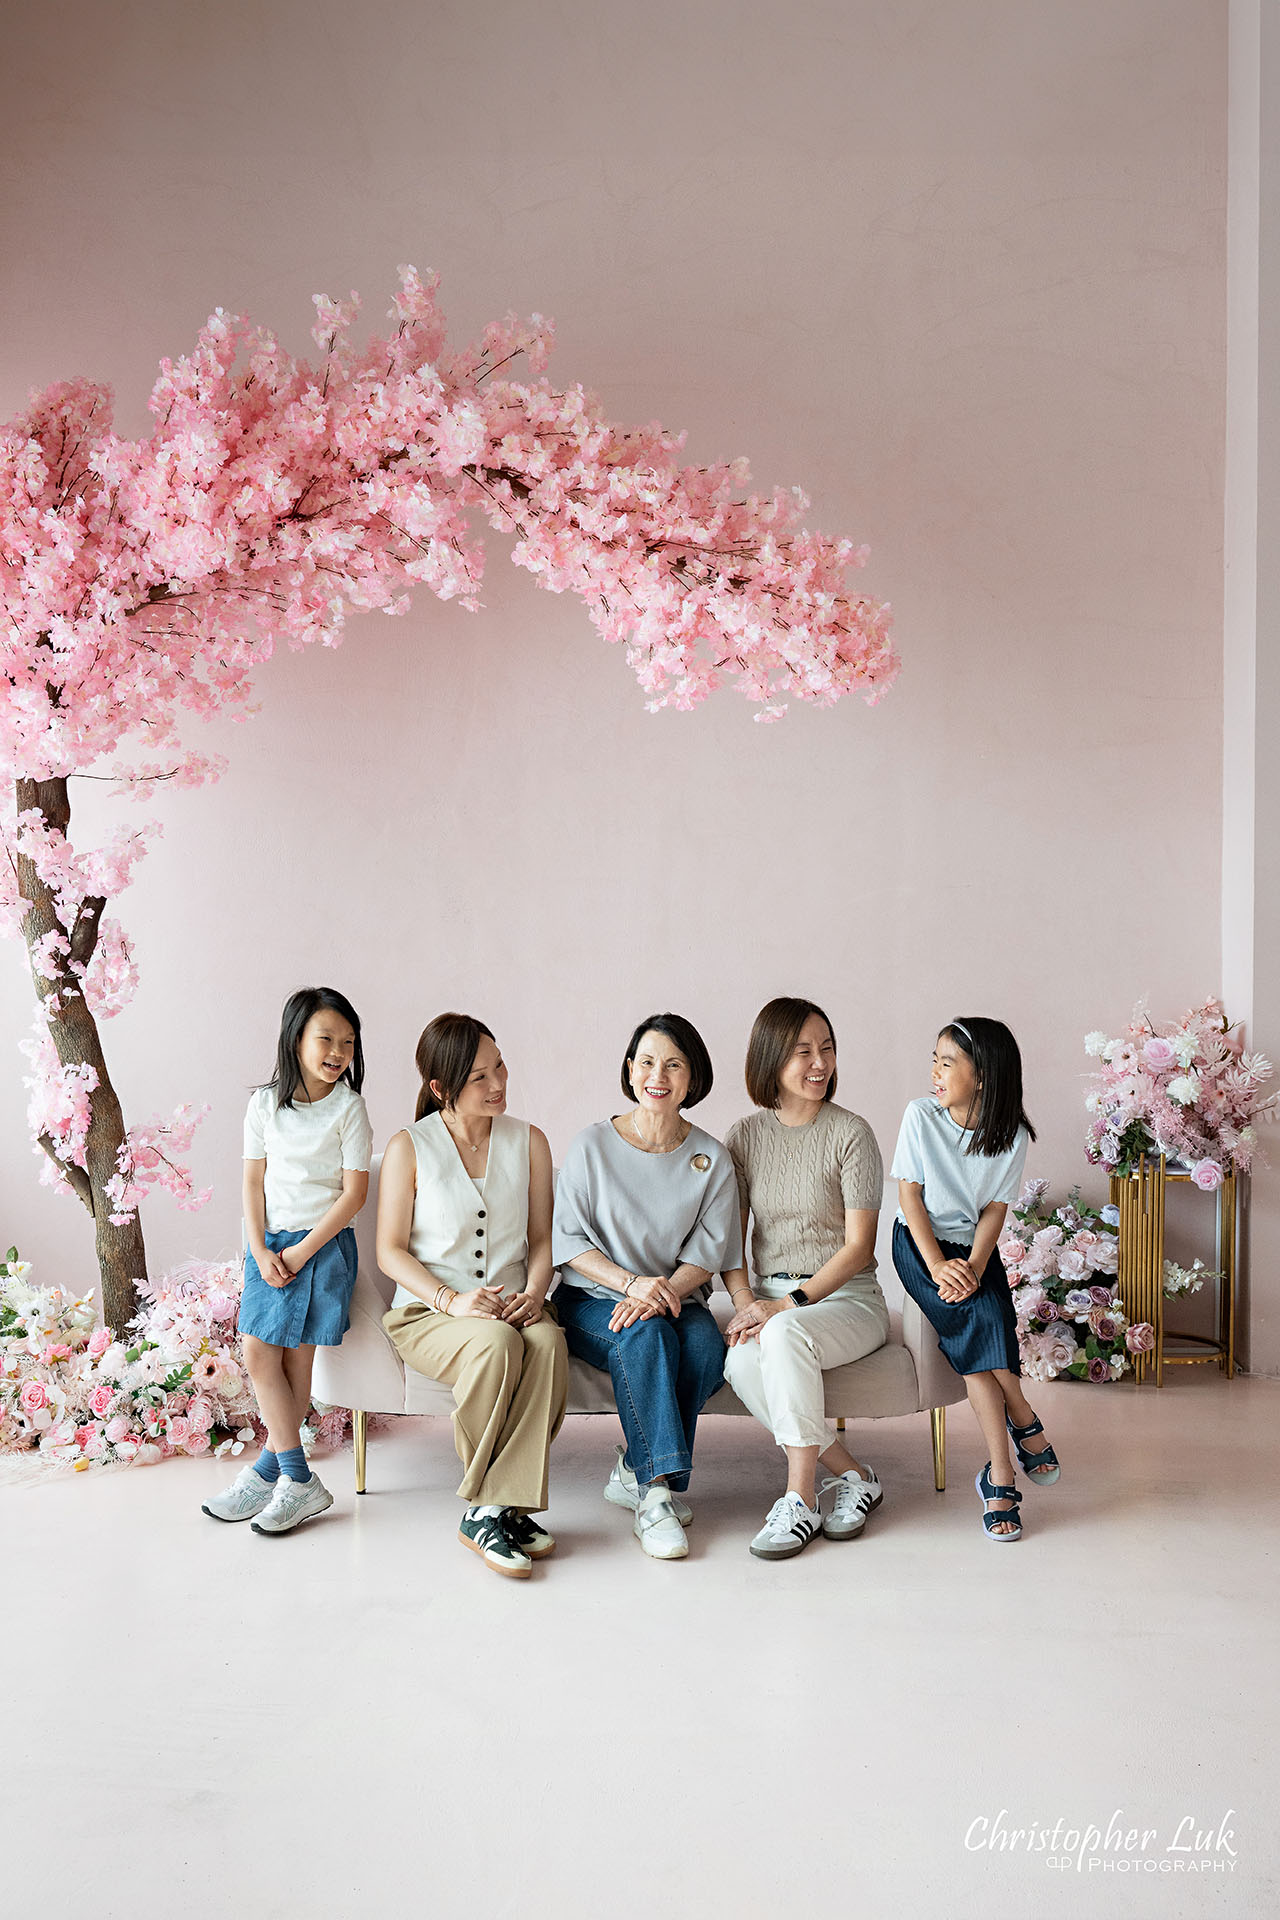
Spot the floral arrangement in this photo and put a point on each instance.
(175, 1381)
(1182, 1280)
(1186, 1089)
(1061, 1267)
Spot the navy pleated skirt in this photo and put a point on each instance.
(977, 1334)
(313, 1310)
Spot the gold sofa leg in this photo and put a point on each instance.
(938, 1428)
(840, 1423)
(359, 1441)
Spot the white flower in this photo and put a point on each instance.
(1183, 1088)
(1094, 1043)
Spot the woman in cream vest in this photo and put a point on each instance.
(464, 1230)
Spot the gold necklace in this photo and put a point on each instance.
(647, 1146)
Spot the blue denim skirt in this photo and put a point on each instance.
(314, 1309)
(977, 1334)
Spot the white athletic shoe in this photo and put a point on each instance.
(622, 1489)
(856, 1497)
(789, 1527)
(294, 1502)
(657, 1526)
(248, 1494)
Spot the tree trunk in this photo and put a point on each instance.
(122, 1260)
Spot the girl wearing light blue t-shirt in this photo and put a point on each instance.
(958, 1164)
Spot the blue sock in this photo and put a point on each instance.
(266, 1466)
(293, 1463)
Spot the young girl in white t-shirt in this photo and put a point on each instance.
(307, 1146)
(958, 1163)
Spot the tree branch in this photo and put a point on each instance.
(84, 934)
(77, 1177)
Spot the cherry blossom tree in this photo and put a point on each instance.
(144, 583)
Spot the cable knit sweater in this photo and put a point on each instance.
(798, 1182)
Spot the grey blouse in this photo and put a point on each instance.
(648, 1212)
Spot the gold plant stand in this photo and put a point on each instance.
(1140, 1198)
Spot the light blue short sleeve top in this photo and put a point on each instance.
(932, 1151)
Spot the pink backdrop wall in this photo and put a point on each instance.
(956, 268)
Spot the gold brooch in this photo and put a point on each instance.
(701, 1161)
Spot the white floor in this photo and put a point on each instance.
(360, 1719)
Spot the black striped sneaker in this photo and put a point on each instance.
(789, 1528)
(486, 1535)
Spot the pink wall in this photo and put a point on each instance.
(957, 268)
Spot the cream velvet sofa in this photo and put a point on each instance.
(907, 1375)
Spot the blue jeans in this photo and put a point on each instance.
(663, 1372)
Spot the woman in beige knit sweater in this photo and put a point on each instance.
(811, 1178)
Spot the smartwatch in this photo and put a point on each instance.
(799, 1297)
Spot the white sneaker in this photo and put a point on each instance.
(789, 1527)
(248, 1494)
(657, 1526)
(294, 1502)
(856, 1497)
(622, 1489)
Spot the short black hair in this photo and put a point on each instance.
(286, 1081)
(998, 1065)
(691, 1044)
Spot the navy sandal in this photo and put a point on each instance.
(987, 1490)
(1031, 1463)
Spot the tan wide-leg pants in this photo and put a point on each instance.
(509, 1387)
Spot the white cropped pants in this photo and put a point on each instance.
(779, 1376)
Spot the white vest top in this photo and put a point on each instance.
(466, 1235)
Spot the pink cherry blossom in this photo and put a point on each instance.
(145, 582)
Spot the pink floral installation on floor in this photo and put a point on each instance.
(1186, 1089)
(173, 1382)
(1061, 1266)
(144, 583)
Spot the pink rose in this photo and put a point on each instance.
(1158, 1054)
(83, 1435)
(1071, 1264)
(99, 1341)
(1140, 1339)
(198, 1442)
(1207, 1175)
(1103, 1325)
(178, 1430)
(100, 1401)
(1101, 1296)
(1099, 1370)
(32, 1397)
(222, 1305)
(118, 1429)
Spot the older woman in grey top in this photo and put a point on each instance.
(646, 1214)
(810, 1175)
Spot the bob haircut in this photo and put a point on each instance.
(446, 1052)
(286, 1081)
(772, 1042)
(998, 1065)
(683, 1034)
